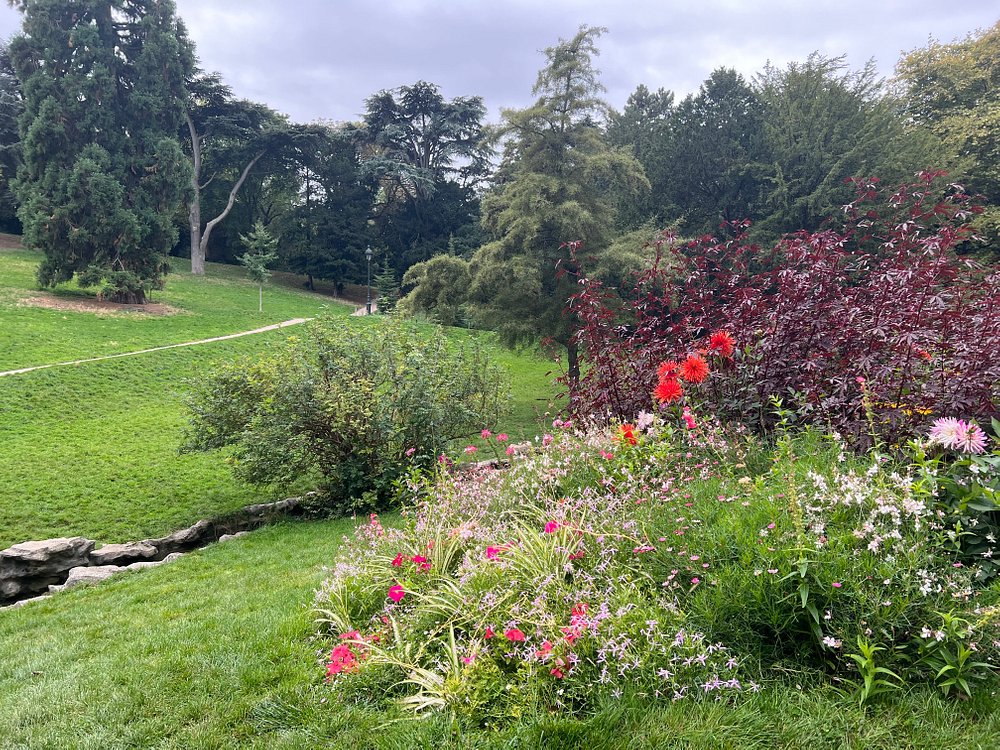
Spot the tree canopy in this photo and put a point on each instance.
(103, 172)
(951, 90)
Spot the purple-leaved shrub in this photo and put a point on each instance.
(873, 329)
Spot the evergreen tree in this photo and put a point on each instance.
(261, 251)
(103, 173)
(427, 155)
(646, 126)
(558, 184)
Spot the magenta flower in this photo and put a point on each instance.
(492, 552)
(486, 434)
(396, 593)
(470, 449)
(502, 437)
(397, 561)
(513, 634)
(551, 527)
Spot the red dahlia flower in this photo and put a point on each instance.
(722, 342)
(668, 390)
(694, 369)
(667, 370)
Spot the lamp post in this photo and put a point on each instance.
(368, 257)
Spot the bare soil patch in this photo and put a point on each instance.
(96, 306)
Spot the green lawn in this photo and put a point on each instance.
(221, 302)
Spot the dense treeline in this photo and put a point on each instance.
(470, 218)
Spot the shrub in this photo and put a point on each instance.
(659, 562)
(356, 406)
(873, 329)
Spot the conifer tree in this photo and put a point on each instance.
(555, 188)
(103, 172)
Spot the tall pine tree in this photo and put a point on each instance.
(558, 183)
(103, 172)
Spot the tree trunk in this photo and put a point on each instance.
(573, 367)
(125, 297)
(203, 245)
(194, 208)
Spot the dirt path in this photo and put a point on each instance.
(293, 322)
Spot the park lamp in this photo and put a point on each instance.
(368, 257)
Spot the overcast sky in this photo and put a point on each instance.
(320, 59)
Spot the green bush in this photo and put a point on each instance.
(355, 406)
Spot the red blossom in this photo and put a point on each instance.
(722, 342)
(667, 370)
(668, 390)
(694, 369)
(513, 634)
(397, 561)
(626, 434)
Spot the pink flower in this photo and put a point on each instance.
(492, 552)
(696, 580)
(489, 633)
(837, 584)
(397, 561)
(551, 527)
(470, 449)
(502, 437)
(544, 650)
(421, 562)
(513, 634)
(957, 434)
(511, 450)
(689, 419)
(607, 455)
(342, 659)
(410, 452)
(468, 659)
(970, 439)
(547, 439)
(486, 434)
(396, 593)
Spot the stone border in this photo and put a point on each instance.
(35, 570)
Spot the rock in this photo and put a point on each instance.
(143, 564)
(22, 602)
(122, 554)
(31, 567)
(90, 574)
(184, 540)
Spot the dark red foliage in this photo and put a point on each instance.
(885, 298)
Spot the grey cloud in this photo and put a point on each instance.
(316, 59)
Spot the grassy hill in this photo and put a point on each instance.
(91, 449)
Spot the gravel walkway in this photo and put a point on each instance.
(293, 322)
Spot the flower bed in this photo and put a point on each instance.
(666, 562)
